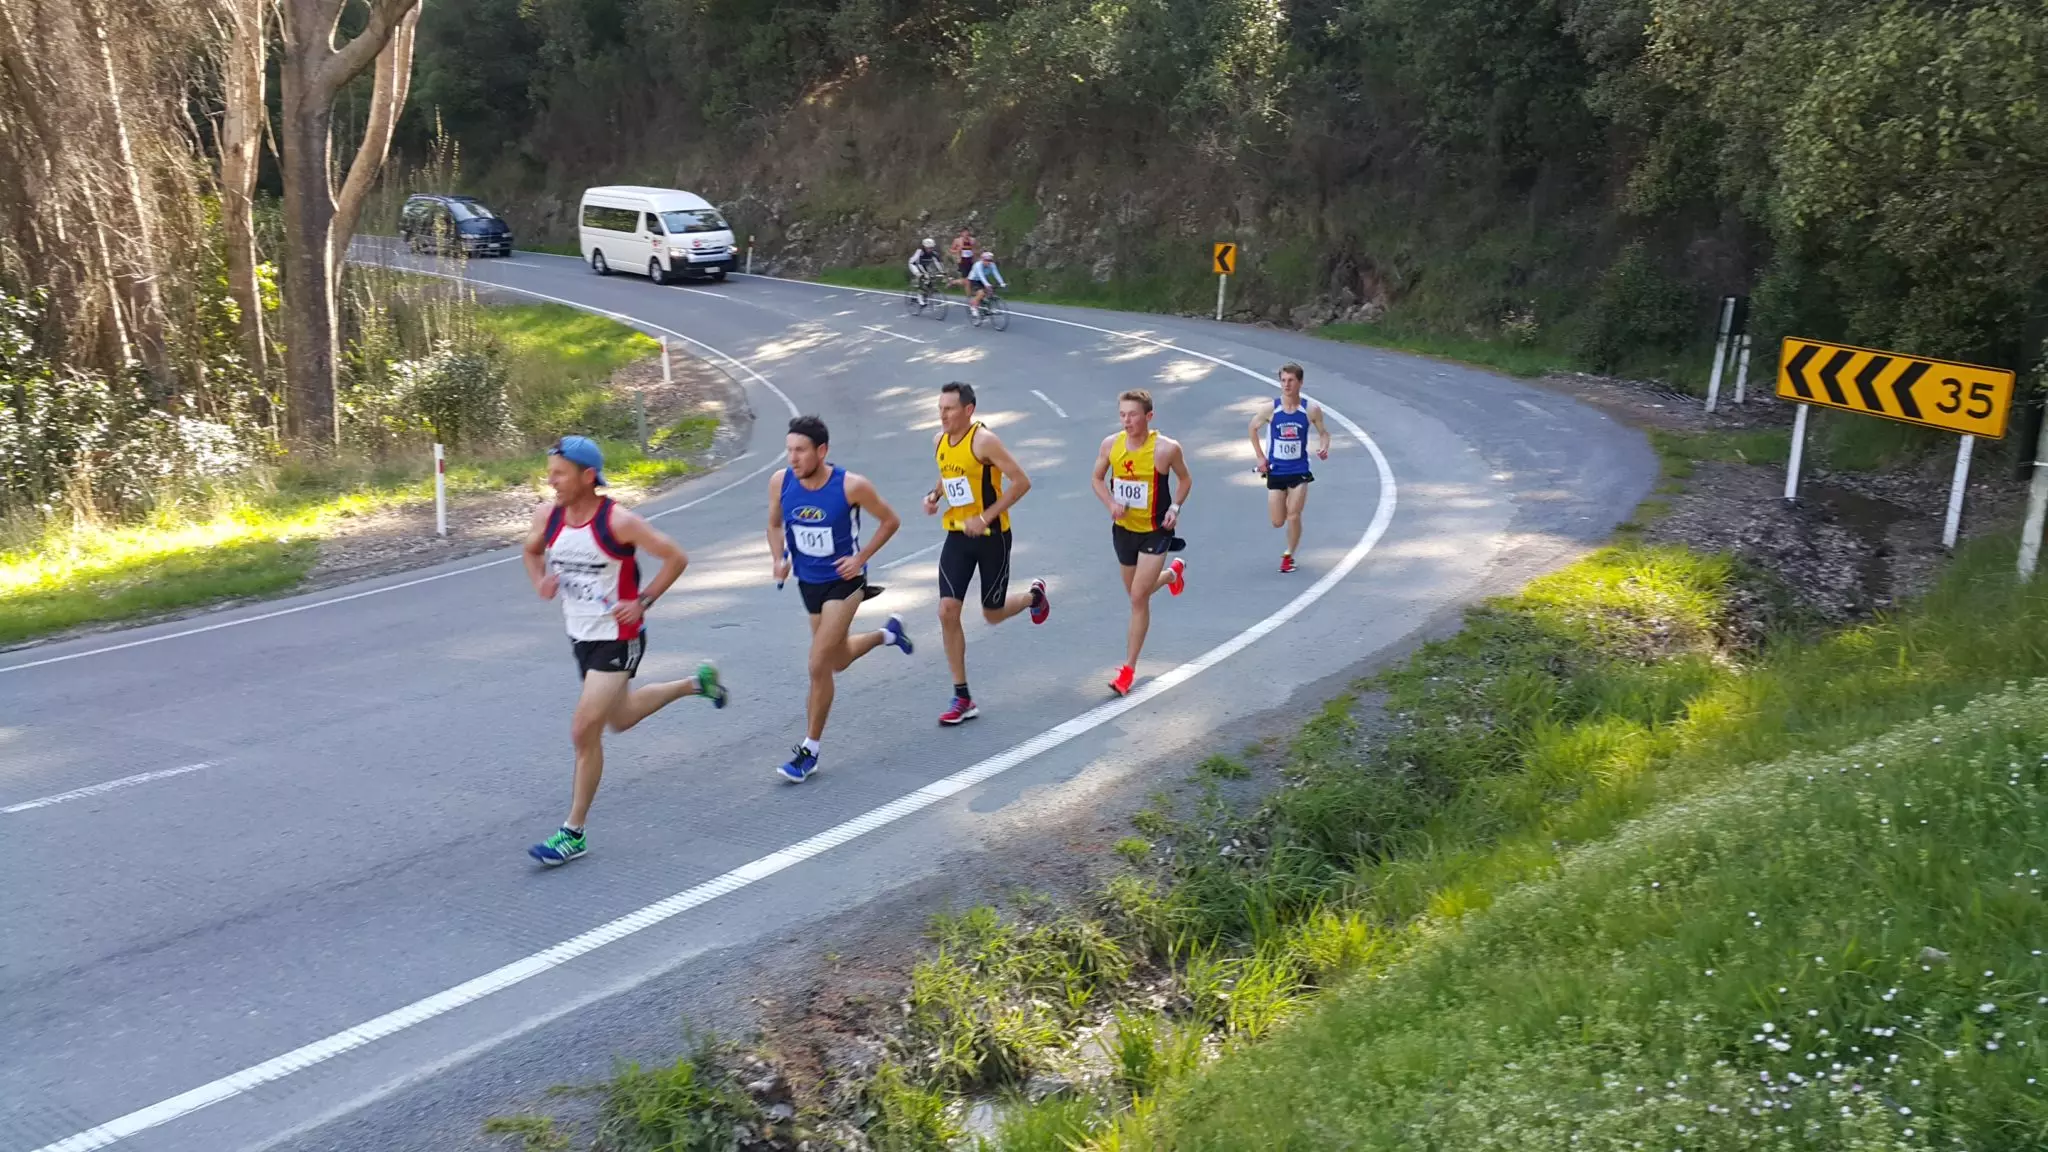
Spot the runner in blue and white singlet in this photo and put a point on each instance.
(814, 515)
(1280, 444)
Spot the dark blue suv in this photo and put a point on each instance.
(432, 223)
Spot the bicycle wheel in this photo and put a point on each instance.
(913, 301)
(998, 314)
(939, 305)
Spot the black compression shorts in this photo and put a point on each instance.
(962, 555)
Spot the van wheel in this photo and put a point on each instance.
(597, 263)
(718, 274)
(656, 272)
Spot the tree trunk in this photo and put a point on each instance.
(313, 72)
(387, 100)
(241, 143)
(311, 325)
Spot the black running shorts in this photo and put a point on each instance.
(1283, 483)
(609, 655)
(1129, 544)
(816, 596)
(962, 555)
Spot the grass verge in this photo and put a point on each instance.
(1593, 850)
(259, 534)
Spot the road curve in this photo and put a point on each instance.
(275, 857)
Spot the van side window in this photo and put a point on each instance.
(610, 219)
(653, 223)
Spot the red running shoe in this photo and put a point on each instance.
(1041, 607)
(1179, 583)
(1122, 684)
(961, 709)
(1287, 561)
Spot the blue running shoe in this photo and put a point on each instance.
(560, 848)
(894, 627)
(802, 763)
(710, 686)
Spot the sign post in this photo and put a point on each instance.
(1798, 451)
(1968, 399)
(1720, 352)
(440, 491)
(1224, 257)
(1742, 373)
(1955, 494)
(2037, 508)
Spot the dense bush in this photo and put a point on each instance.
(1871, 172)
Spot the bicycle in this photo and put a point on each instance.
(992, 310)
(924, 292)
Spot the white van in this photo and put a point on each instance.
(661, 233)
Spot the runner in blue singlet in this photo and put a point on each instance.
(814, 513)
(1280, 443)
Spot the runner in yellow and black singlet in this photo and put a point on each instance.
(1131, 479)
(979, 482)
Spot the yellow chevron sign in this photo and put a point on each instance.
(1225, 259)
(1966, 398)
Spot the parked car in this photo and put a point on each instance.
(660, 233)
(436, 223)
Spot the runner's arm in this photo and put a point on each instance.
(861, 494)
(992, 450)
(1099, 479)
(776, 552)
(632, 528)
(1178, 466)
(536, 550)
(1258, 442)
(931, 498)
(1315, 417)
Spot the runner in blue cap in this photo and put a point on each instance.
(585, 549)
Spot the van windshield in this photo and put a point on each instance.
(470, 210)
(693, 220)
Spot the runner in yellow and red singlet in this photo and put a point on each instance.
(1130, 478)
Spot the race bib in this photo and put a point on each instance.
(959, 490)
(1286, 449)
(1132, 493)
(812, 541)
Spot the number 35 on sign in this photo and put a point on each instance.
(1957, 397)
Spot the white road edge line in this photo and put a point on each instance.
(96, 789)
(497, 980)
(1056, 409)
(241, 620)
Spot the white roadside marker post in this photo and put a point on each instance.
(440, 491)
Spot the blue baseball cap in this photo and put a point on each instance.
(581, 450)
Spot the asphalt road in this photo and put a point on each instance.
(318, 927)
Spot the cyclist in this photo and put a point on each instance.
(926, 265)
(978, 278)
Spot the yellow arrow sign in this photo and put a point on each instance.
(1956, 397)
(1226, 259)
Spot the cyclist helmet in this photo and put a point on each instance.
(930, 243)
(987, 254)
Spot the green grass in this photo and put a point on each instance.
(692, 1105)
(1455, 930)
(259, 534)
(558, 360)
(1757, 947)
(1557, 759)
